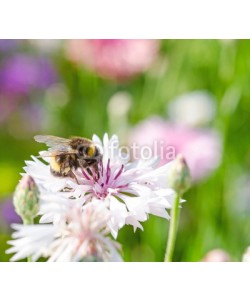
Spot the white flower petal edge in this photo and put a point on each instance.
(30, 240)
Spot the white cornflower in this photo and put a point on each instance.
(80, 235)
(130, 191)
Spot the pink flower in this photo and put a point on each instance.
(217, 255)
(201, 147)
(114, 59)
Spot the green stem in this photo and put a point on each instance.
(28, 222)
(172, 229)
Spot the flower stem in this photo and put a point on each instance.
(28, 222)
(172, 229)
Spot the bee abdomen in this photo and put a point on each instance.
(62, 173)
(55, 173)
(59, 166)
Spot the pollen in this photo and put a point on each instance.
(91, 151)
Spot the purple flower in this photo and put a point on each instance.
(22, 73)
(8, 44)
(8, 214)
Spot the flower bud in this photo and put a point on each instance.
(26, 198)
(179, 175)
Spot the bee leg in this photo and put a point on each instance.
(89, 171)
(95, 167)
(84, 165)
(72, 175)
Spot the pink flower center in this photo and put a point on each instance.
(104, 181)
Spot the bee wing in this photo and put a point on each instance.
(54, 153)
(54, 142)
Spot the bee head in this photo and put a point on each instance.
(90, 151)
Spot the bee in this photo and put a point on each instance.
(69, 154)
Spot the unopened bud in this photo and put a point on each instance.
(179, 175)
(26, 198)
(246, 255)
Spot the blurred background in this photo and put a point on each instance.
(193, 95)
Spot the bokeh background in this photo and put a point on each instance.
(190, 94)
